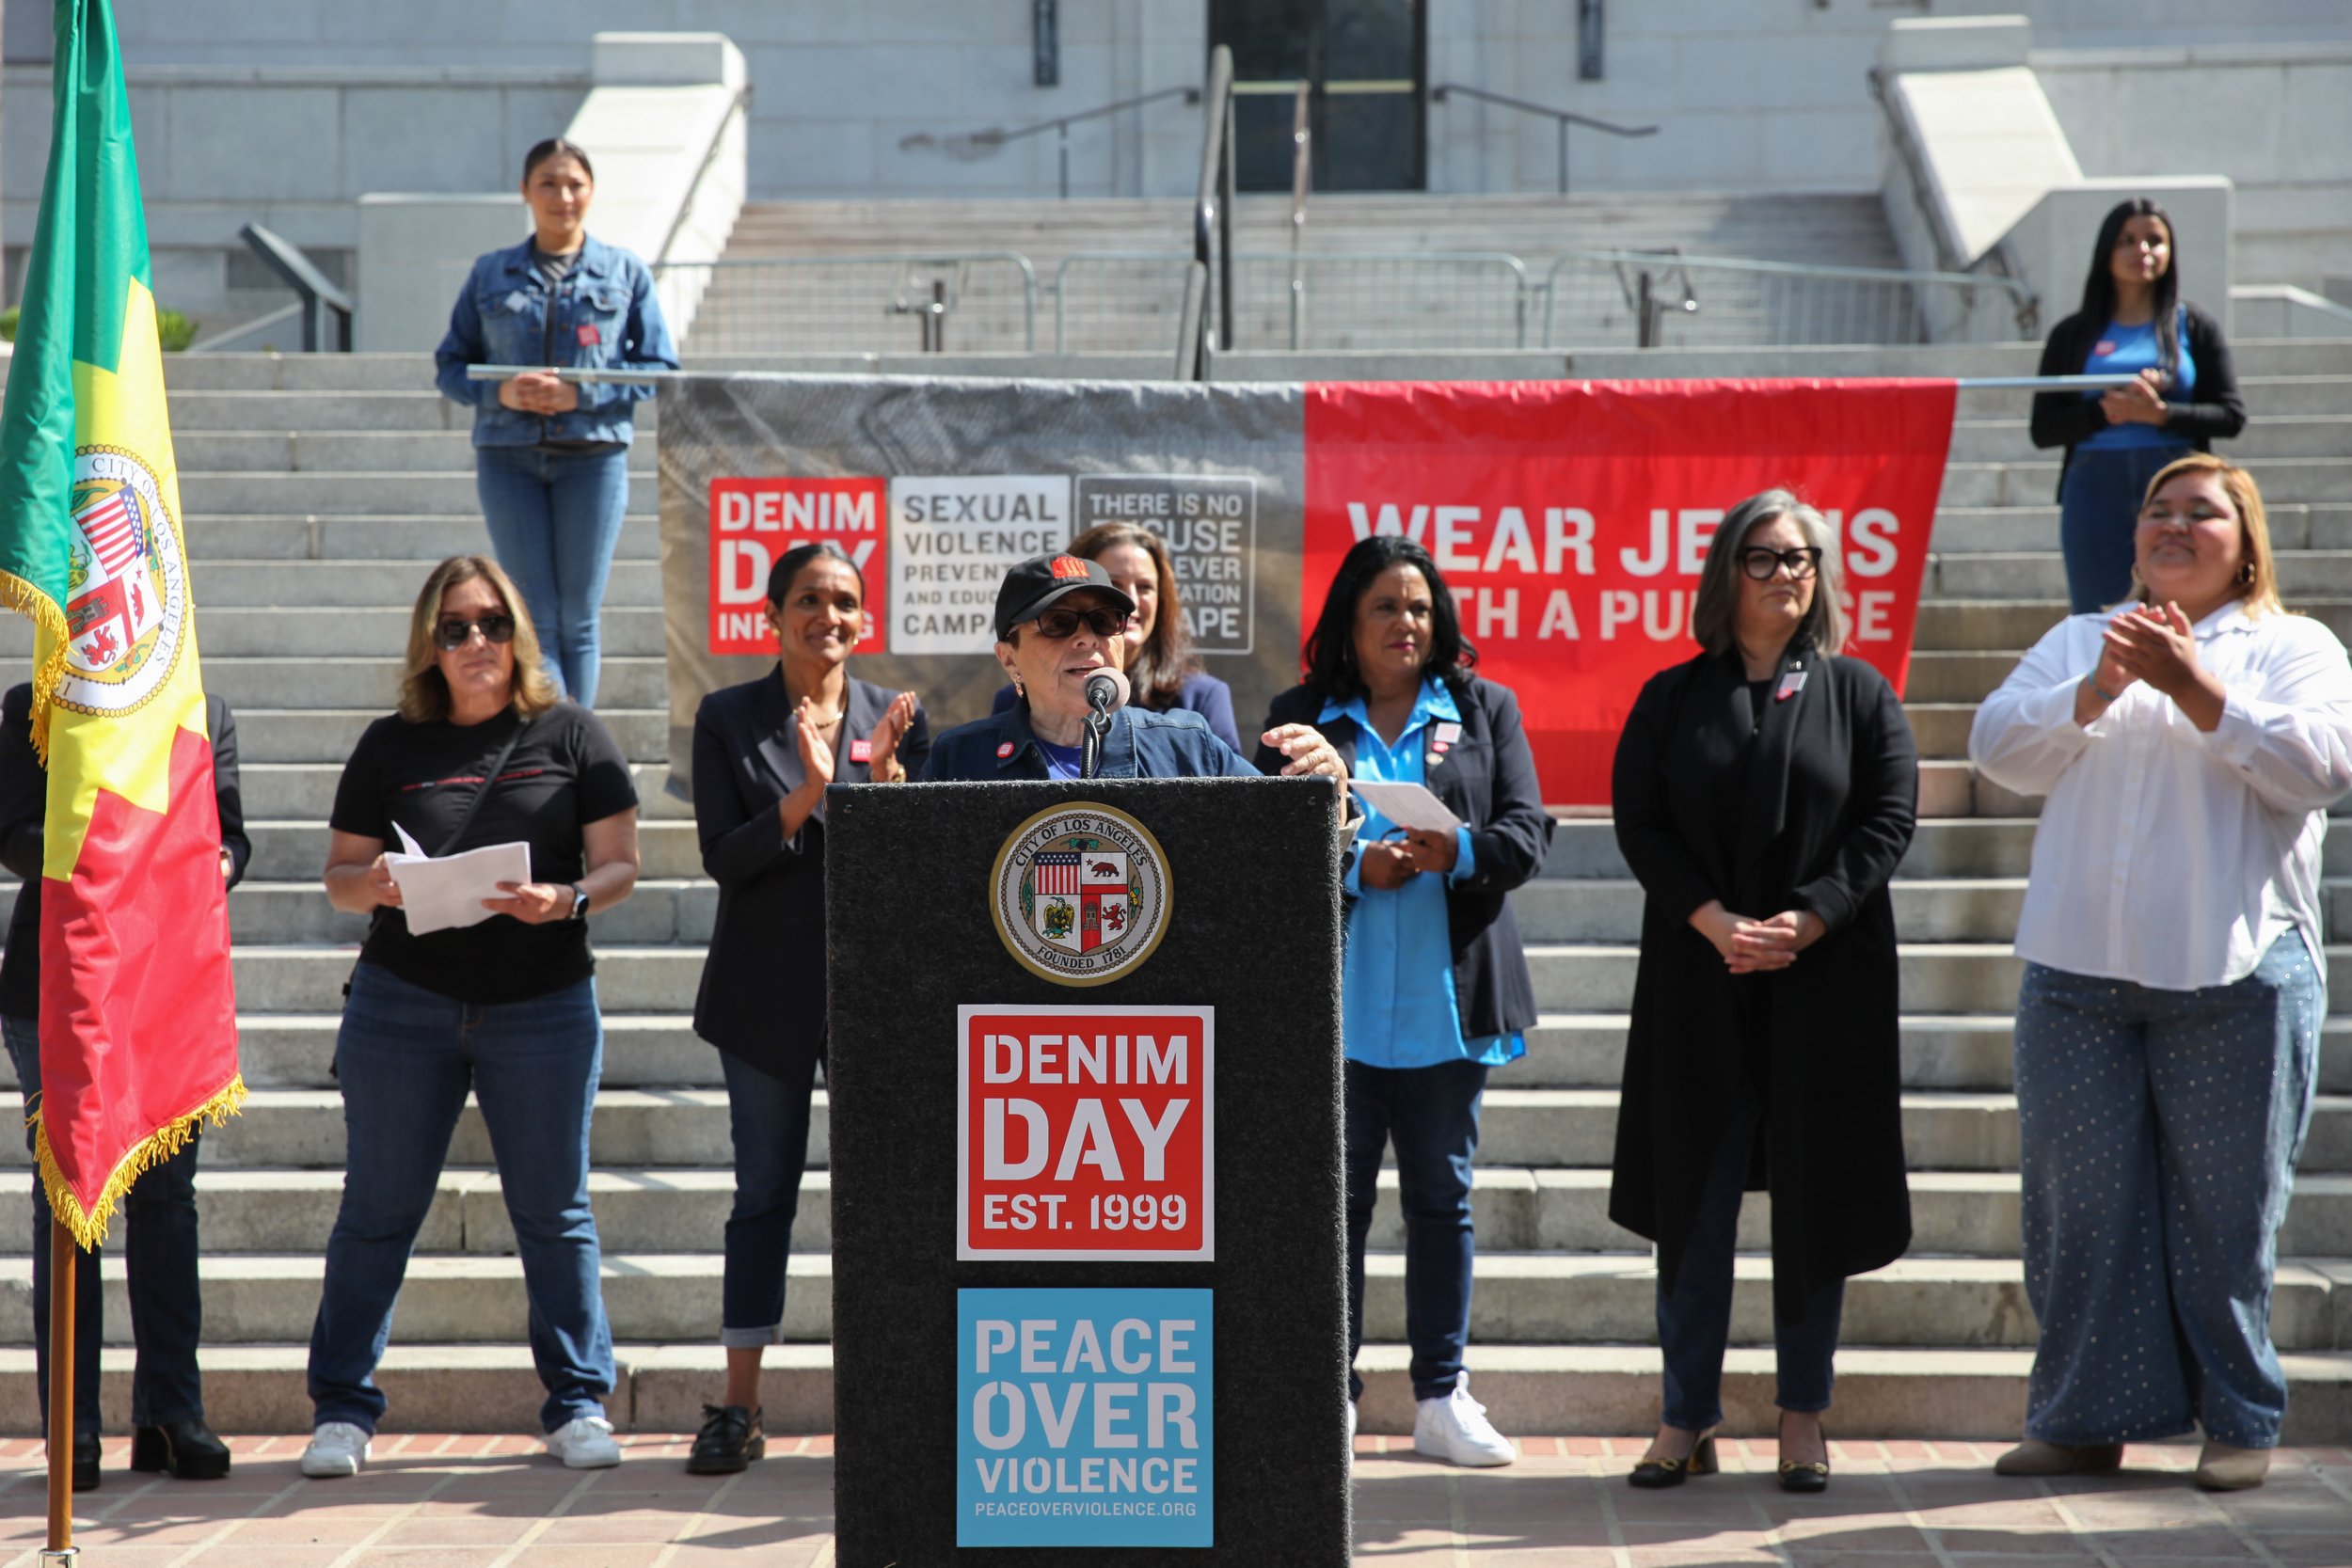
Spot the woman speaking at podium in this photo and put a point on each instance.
(1061, 630)
(1435, 987)
(764, 752)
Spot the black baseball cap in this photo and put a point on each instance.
(1035, 585)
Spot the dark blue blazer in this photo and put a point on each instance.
(763, 991)
(1140, 744)
(1203, 694)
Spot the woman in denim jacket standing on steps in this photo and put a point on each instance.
(551, 457)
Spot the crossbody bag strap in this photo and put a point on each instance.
(489, 782)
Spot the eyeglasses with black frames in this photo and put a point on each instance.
(1761, 564)
(452, 633)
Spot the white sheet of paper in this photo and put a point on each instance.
(1408, 805)
(445, 893)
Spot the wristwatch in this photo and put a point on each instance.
(579, 902)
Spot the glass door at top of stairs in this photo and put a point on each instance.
(1365, 63)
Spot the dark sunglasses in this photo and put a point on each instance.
(1760, 564)
(451, 634)
(1055, 624)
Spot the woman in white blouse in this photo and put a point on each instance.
(2168, 1027)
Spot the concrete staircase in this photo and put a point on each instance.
(319, 490)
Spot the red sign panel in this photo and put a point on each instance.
(1570, 519)
(1085, 1131)
(755, 520)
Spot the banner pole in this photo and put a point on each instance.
(61, 1551)
(655, 378)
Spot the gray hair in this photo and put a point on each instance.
(1824, 629)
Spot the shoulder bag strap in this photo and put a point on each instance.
(489, 782)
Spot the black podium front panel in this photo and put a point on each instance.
(1087, 1229)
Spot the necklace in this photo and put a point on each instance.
(822, 718)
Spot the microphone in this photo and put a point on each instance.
(1106, 693)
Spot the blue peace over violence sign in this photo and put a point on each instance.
(1086, 1419)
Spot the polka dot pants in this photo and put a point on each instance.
(2159, 1131)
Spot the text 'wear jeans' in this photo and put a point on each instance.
(1695, 1318)
(159, 1258)
(2158, 1131)
(406, 1057)
(767, 1118)
(1431, 1114)
(555, 520)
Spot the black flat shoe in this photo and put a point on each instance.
(87, 1454)
(185, 1449)
(730, 1439)
(1652, 1475)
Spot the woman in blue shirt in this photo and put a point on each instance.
(551, 456)
(2132, 321)
(1435, 986)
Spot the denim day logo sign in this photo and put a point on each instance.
(1086, 1419)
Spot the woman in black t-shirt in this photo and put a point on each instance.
(481, 753)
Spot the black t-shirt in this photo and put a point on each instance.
(565, 772)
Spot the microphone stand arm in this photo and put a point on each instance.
(1091, 746)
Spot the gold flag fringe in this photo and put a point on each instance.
(89, 1228)
(27, 600)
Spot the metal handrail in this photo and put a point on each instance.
(933, 310)
(995, 136)
(1302, 185)
(1949, 246)
(321, 300)
(1188, 365)
(1562, 119)
(1646, 262)
(1213, 199)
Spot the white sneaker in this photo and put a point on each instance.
(585, 1443)
(337, 1449)
(1455, 1430)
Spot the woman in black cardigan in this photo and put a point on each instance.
(1434, 988)
(764, 752)
(2133, 321)
(1764, 791)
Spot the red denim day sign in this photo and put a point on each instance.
(755, 520)
(1085, 1132)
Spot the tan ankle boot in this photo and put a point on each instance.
(2034, 1457)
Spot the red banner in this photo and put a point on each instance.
(753, 521)
(1571, 518)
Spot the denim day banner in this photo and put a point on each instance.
(1086, 1419)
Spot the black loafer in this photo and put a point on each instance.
(1651, 1475)
(730, 1439)
(87, 1454)
(187, 1450)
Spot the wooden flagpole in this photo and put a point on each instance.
(61, 1270)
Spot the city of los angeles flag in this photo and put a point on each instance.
(138, 1039)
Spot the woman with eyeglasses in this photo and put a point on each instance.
(2132, 321)
(1763, 791)
(764, 753)
(2167, 1024)
(481, 753)
(1433, 985)
(1060, 620)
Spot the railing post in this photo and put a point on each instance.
(1063, 140)
(1228, 185)
(1564, 157)
(1646, 335)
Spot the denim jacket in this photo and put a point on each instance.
(606, 317)
(1141, 745)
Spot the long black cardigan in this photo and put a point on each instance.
(1487, 778)
(2069, 419)
(1825, 809)
(763, 988)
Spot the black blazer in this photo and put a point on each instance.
(2069, 419)
(1487, 778)
(763, 989)
(1820, 809)
(24, 807)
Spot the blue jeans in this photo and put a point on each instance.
(555, 520)
(767, 1118)
(406, 1057)
(2098, 510)
(2158, 1131)
(1431, 1114)
(1695, 1318)
(159, 1256)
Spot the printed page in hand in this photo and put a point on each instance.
(442, 894)
(1408, 805)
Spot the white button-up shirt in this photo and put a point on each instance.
(2165, 855)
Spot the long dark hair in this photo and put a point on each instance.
(2099, 288)
(789, 563)
(1158, 668)
(1331, 657)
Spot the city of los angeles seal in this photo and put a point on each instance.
(1081, 893)
(126, 608)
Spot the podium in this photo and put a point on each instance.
(1089, 1246)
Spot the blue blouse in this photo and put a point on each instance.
(2127, 351)
(1398, 1006)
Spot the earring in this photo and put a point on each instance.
(2245, 572)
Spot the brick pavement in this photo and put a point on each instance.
(492, 1502)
